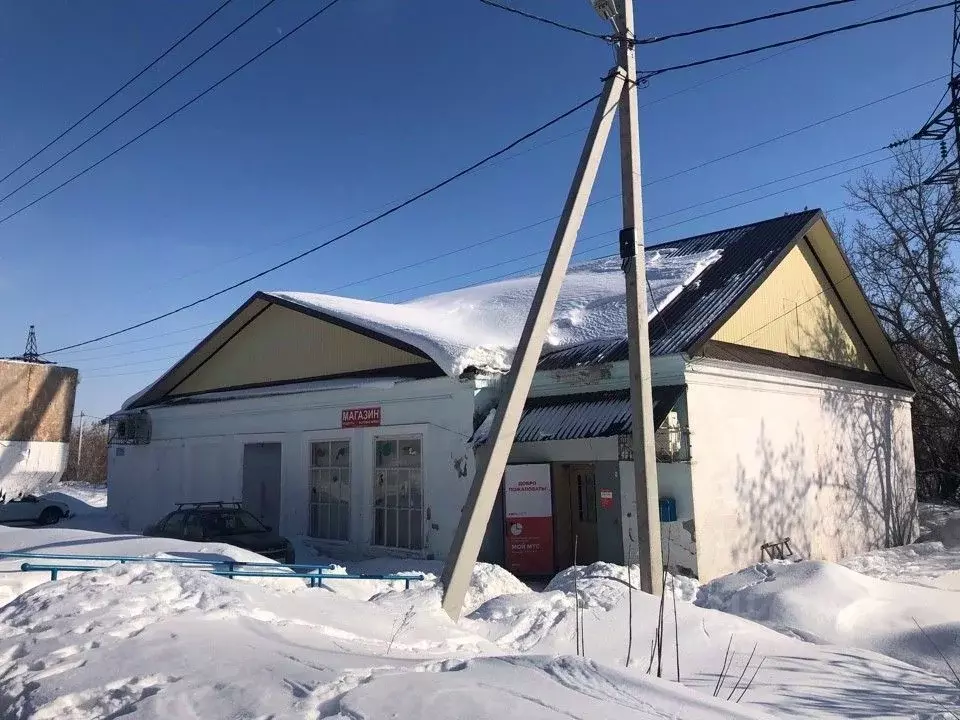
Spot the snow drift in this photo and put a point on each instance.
(826, 603)
(480, 326)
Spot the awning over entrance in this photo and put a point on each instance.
(587, 415)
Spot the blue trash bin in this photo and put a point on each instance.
(668, 509)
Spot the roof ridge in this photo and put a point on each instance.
(780, 218)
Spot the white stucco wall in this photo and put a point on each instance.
(196, 452)
(825, 462)
(28, 466)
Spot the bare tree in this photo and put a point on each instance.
(92, 465)
(903, 248)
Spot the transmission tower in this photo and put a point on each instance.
(31, 354)
(944, 126)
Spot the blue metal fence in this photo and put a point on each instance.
(225, 568)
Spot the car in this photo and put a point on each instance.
(225, 522)
(30, 508)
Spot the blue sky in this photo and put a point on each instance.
(373, 101)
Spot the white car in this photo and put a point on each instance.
(30, 508)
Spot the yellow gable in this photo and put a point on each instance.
(283, 345)
(796, 311)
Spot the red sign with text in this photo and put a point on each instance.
(360, 417)
(528, 508)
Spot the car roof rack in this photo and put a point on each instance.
(209, 503)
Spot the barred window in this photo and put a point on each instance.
(398, 493)
(330, 490)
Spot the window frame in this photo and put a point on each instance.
(415, 540)
(321, 507)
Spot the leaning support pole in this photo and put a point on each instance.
(490, 465)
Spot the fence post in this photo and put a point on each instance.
(53, 573)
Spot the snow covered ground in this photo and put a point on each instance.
(932, 562)
(159, 641)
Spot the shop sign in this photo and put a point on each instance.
(360, 417)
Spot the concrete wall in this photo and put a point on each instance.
(776, 454)
(36, 401)
(196, 454)
(36, 411)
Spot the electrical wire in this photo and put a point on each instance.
(530, 226)
(123, 87)
(583, 251)
(548, 21)
(158, 88)
(647, 75)
(737, 23)
(536, 146)
(648, 183)
(173, 114)
(655, 217)
(356, 228)
(801, 129)
(143, 339)
(792, 310)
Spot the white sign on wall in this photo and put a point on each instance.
(527, 489)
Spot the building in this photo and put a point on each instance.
(36, 411)
(783, 413)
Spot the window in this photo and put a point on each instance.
(586, 497)
(398, 493)
(173, 525)
(330, 490)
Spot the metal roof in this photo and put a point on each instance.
(588, 415)
(747, 254)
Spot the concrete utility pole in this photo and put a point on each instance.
(632, 249)
(619, 92)
(79, 448)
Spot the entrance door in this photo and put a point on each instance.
(583, 512)
(261, 482)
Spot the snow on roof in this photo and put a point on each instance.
(480, 326)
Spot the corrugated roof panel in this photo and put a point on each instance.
(570, 417)
(746, 253)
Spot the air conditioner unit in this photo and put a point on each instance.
(130, 428)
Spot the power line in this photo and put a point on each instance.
(535, 146)
(548, 219)
(409, 201)
(803, 128)
(539, 252)
(139, 102)
(97, 358)
(660, 217)
(123, 87)
(139, 362)
(794, 308)
(554, 217)
(602, 246)
(737, 23)
(167, 117)
(548, 21)
(823, 33)
(143, 339)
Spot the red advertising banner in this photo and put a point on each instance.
(528, 508)
(360, 417)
